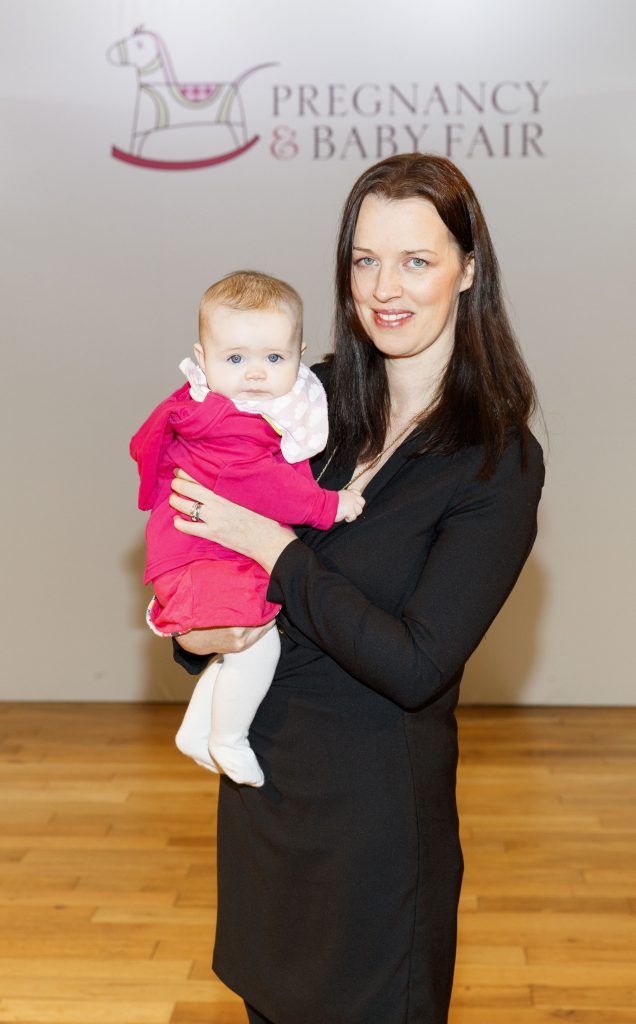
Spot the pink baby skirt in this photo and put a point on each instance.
(209, 593)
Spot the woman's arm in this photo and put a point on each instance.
(482, 543)
(193, 650)
(191, 662)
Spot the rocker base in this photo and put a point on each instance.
(181, 165)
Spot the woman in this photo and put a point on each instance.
(339, 880)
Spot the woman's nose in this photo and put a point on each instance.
(387, 284)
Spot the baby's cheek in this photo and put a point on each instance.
(286, 381)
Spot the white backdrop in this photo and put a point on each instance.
(105, 260)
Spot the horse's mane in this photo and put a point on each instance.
(164, 56)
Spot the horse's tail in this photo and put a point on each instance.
(250, 71)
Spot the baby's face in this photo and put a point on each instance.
(249, 354)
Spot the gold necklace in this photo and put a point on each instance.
(374, 461)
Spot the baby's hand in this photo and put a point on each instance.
(350, 506)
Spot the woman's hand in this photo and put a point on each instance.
(228, 524)
(222, 640)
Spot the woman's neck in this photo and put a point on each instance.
(414, 380)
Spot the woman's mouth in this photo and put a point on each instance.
(391, 318)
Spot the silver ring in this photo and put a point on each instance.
(194, 511)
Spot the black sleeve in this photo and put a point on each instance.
(192, 663)
(482, 542)
(323, 372)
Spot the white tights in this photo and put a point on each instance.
(217, 720)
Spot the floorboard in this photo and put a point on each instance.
(107, 862)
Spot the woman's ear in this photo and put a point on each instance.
(469, 272)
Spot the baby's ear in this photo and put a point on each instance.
(200, 354)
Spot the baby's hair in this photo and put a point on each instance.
(249, 289)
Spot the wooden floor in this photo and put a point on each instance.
(107, 851)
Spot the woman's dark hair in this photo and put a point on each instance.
(486, 388)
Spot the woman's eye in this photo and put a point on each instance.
(274, 357)
(236, 359)
(365, 261)
(417, 262)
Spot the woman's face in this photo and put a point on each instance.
(406, 276)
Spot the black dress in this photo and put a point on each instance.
(338, 881)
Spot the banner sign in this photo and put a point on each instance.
(181, 125)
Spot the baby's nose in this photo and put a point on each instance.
(255, 373)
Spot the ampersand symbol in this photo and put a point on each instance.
(284, 145)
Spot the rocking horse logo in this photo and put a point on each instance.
(211, 112)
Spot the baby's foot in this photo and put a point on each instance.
(238, 762)
(195, 747)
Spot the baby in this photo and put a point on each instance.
(245, 426)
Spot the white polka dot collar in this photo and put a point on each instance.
(300, 416)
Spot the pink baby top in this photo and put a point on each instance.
(237, 454)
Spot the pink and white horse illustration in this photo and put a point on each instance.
(163, 103)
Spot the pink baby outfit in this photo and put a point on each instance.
(237, 454)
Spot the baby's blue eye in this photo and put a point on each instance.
(236, 359)
(274, 357)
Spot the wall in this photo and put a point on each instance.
(106, 259)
